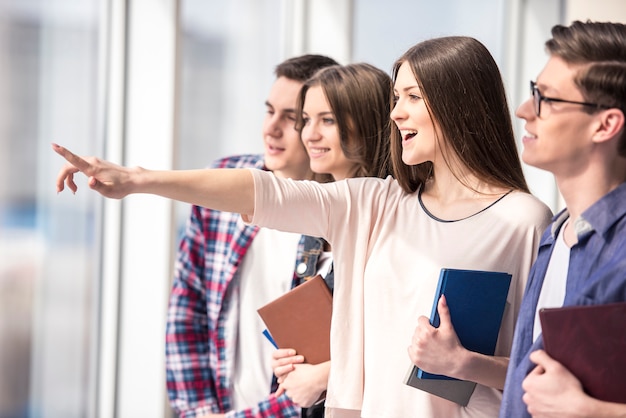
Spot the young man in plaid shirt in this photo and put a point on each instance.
(218, 362)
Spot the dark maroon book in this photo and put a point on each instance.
(591, 342)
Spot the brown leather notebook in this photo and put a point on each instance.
(300, 319)
(590, 341)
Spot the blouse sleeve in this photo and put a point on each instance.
(325, 210)
(304, 207)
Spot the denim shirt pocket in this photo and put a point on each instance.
(307, 263)
(306, 267)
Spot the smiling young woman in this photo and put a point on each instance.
(465, 206)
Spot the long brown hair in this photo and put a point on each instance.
(464, 94)
(359, 96)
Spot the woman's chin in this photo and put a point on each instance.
(410, 159)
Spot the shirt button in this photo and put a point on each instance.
(301, 268)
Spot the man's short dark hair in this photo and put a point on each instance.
(302, 67)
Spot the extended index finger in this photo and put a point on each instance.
(78, 162)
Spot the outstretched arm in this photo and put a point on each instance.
(230, 190)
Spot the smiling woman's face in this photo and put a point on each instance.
(412, 118)
(320, 135)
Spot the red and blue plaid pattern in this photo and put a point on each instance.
(198, 367)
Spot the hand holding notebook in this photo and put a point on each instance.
(591, 343)
(300, 319)
(476, 301)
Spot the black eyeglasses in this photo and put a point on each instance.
(538, 98)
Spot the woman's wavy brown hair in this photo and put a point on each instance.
(360, 97)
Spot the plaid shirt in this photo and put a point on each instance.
(199, 379)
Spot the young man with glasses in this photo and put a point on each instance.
(575, 129)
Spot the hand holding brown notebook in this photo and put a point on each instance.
(300, 319)
(590, 341)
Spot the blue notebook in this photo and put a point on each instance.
(476, 300)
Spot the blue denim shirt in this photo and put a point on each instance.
(311, 251)
(596, 275)
(312, 248)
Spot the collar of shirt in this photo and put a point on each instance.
(599, 217)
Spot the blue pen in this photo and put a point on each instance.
(269, 337)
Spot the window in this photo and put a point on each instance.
(48, 244)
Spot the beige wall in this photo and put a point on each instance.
(600, 10)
